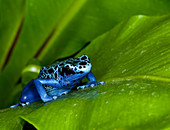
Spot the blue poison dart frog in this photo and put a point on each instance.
(58, 79)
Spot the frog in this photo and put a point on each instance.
(58, 79)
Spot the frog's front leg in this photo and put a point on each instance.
(27, 87)
(40, 89)
(92, 81)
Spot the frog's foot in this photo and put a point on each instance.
(20, 104)
(25, 104)
(55, 97)
(60, 94)
(13, 106)
(91, 84)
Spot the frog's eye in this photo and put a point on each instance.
(67, 70)
(84, 57)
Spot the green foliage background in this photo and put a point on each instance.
(129, 50)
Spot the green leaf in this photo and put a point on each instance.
(127, 104)
(133, 60)
(54, 29)
(11, 16)
(10, 118)
(137, 46)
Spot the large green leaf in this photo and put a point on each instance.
(138, 46)
(54, 29)
(11, 16)
(133, 60)
(126, 104)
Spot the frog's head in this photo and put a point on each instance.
(78, 67)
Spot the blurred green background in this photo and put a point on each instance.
(128, 43)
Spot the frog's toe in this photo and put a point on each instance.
(13, 106)
(27, 103)
(81, 87)
(55, 97)
(101, 82)
(23, 104)
(95, 84)
(64, 93)
(92, 85)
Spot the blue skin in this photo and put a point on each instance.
(58, 79)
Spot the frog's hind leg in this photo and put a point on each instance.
(42, 92)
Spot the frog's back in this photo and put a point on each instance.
(49, 72)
